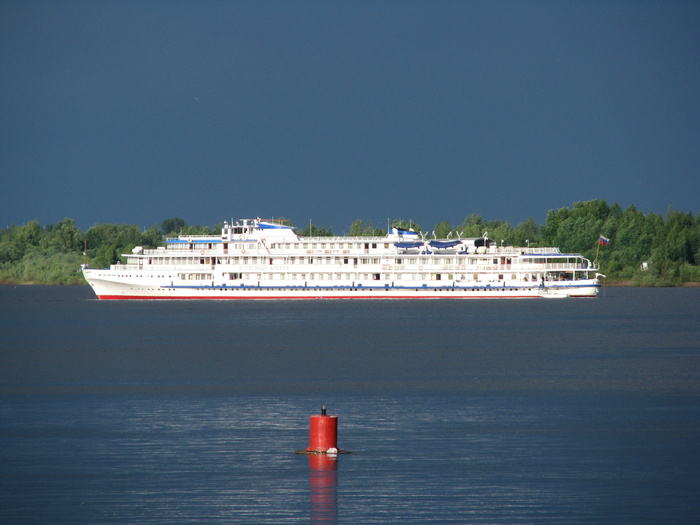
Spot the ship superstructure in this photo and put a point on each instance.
(264, 259)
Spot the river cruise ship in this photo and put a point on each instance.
(263, 259)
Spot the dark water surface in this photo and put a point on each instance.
(503, 411)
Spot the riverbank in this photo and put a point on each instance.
(635, 284)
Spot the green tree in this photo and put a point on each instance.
(128, 235)
(64, 237)
(527, 233)
(105, 256)
(675, 245)
(151, 238)
(577, 230)
(28, 237)
(499, 231)
(172, 227)
(442, 229)
(313, 230)
(472, 226)
(196, 230)
(356, 228)
(8, 253)
(101, 234)
(365, 229)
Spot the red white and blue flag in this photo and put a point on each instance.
(603, 240)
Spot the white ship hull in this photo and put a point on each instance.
(109, 289)
(261, 260)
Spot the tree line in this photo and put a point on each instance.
(650, 249)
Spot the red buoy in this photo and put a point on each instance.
(323, 433)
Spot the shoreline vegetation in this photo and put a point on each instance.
(643, 250)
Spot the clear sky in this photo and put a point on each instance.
(138, 111)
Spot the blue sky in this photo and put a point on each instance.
(138, 111)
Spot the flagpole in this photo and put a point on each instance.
(597, 251)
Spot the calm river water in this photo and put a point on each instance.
(475, 411)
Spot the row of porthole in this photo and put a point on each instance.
(351, 289)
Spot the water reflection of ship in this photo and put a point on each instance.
(323, 481)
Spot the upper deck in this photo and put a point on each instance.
(259, 237)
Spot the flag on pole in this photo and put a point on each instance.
(603, 241)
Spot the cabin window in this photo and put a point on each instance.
(375, 276)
